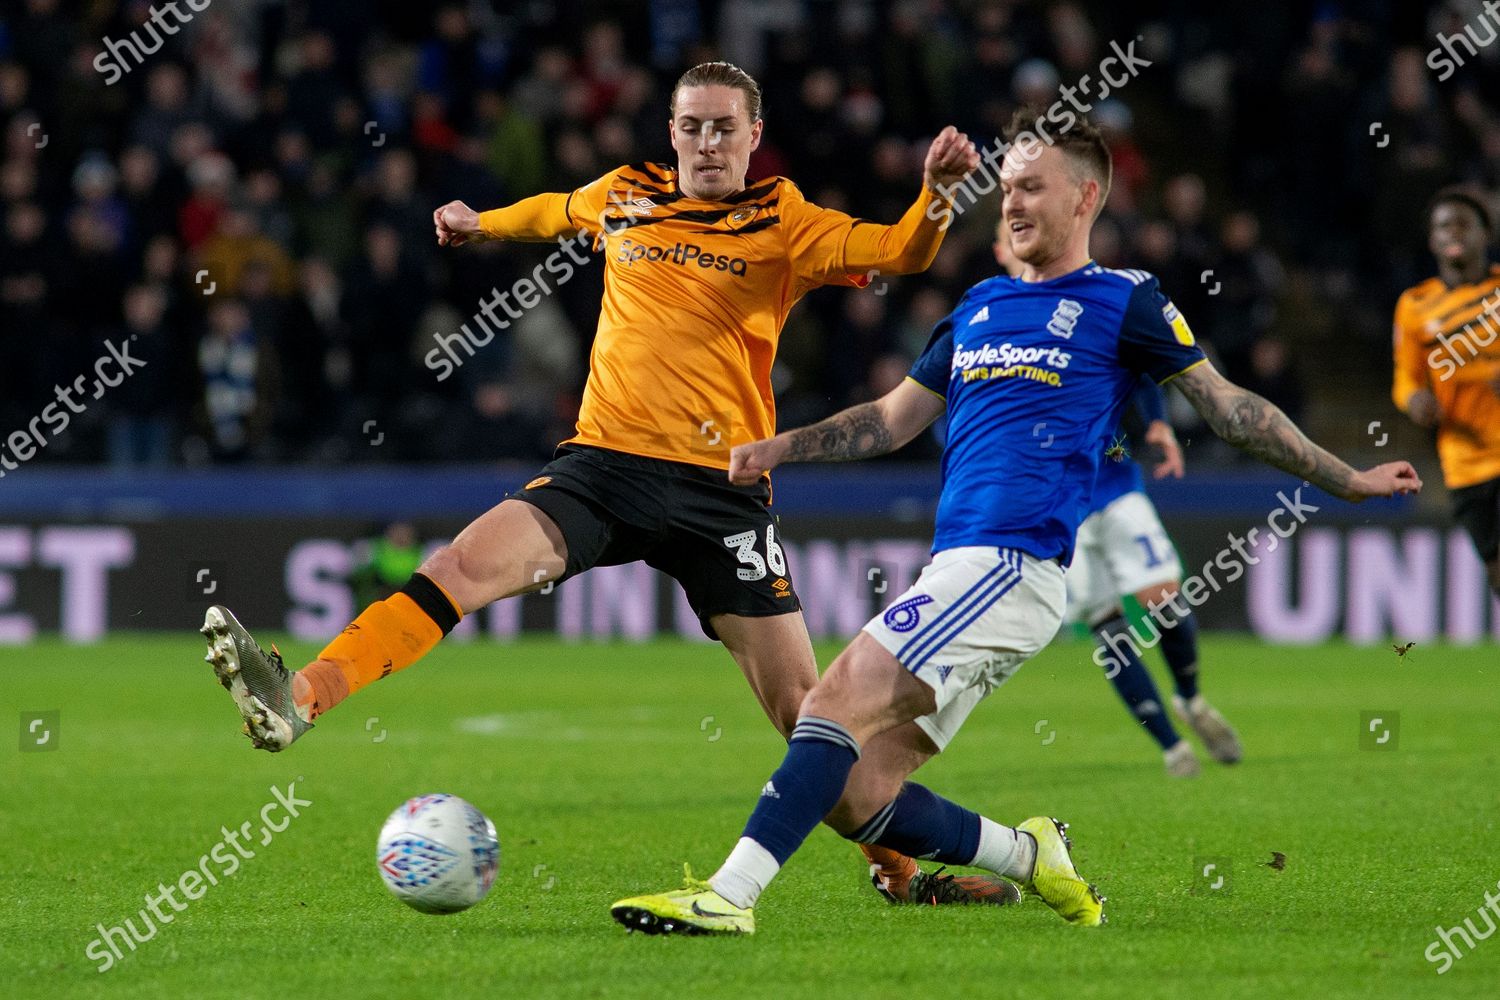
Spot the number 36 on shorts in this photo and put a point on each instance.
(754, 568)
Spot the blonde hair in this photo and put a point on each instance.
(724, 74)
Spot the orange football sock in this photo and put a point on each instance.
(389, 635)
(891, 866)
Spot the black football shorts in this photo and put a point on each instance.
(1477, 508)
(720, 541)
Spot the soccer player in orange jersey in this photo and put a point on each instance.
(700, 273)
(1447, 371)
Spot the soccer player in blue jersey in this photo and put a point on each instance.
(1062, 345)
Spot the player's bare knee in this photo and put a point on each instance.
(470, 583)
(442, 568)
(867, 691)
(817, 703)
(828, 699)
(1157, 595)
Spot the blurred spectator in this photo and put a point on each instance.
(387, 562)
(1247, 278)
(148, 200)
(384, 294)
(239, 375)
(1131, 172)
(1272, 374)
(212, 180)
(28, 271)
(861, 335)
(164, 111)
(142, 426)
(500, 427)
(1412, 164)
(238, 245)
(515, 148)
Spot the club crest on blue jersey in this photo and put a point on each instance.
(1065, 318)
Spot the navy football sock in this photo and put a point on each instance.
(1134, 684)
(1179, 647)
(807, 785)
(921, 824)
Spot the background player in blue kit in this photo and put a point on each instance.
(1065, 343)
(1122, 549)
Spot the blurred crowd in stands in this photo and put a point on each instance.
(250, 202)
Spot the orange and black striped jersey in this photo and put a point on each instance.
(695, 296)
(1448, 340)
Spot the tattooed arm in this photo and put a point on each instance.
(861, 431)
(1259, 428)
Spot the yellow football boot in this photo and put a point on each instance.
(1054, 878)
(693, 909)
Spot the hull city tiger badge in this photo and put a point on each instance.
(740, 216)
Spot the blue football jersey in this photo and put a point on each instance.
(1036, 376)
(1121, 474)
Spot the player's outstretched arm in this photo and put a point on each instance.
(535, 219)
(1256, 426)
(911, 244)
(861, 431)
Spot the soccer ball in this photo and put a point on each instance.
(438, 854)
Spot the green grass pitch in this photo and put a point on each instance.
(605, 767)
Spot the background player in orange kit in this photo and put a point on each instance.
(1447, 371)
(700, 273)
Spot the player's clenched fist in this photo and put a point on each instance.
(949, 158)
(748, 462)
(1390, 479)
(457, 224)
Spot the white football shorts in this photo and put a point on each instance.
(1120, 550)
(975, 614)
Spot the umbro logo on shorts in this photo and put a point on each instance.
(782, 587)
(538, 481)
